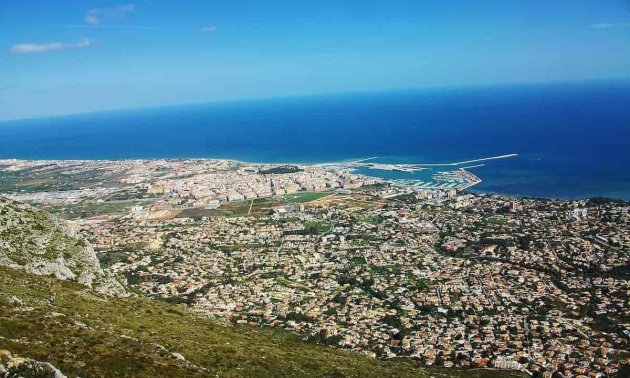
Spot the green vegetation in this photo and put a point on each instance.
(108, 259)
(282, 170)
(315, 228)
(87, 209)
(256, 208)
(385, 269)
(406, 198)
(306, 196)
(417, 283)
(358, 243)
(238, 246)
(85, 335)
(606, 201)
(370, 219)
(49, 179)
(127, 195)
(358, 260)
(25, 181)
(200, 212)
(496, 220)
(23, 243)
(39, 243)
(283, 281)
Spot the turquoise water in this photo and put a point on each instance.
(572, 139)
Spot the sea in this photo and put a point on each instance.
(572, 139)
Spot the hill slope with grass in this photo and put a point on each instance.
(56, 323)
(84, 334)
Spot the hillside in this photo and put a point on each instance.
(83, 334)
(56, 321)
(39, 243)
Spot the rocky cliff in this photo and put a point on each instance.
(39, 243)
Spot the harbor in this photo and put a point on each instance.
(459, 179)
(423, 177)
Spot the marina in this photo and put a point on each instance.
(427, 180)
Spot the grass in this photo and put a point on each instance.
(259, 207)
(316, 227)
(288, 283)
(88, 209)
(283, 281)
(86, 335)
(49, 179)
(496, 220)
(306, 196)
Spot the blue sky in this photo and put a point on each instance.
(59, 57)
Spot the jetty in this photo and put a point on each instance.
(415, 167)
(466, 161)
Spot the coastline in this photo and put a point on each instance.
(353, 164)
(560, 155)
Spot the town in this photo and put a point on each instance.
(445, 277)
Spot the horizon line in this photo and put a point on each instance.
(315, 95)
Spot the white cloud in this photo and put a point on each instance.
(28, 48)
(610, 25)
(118, 26)
(95, 16)
(92, 19)
(208, 29)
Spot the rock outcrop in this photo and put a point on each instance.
(39, 243)
(17, 367)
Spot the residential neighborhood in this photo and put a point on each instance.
(447, 278)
